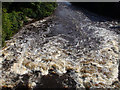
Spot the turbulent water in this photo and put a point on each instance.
(72, 48)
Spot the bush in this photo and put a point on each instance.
(6, 25)
(14, 13)
(11, 22)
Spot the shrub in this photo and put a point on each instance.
(11, 22)
(6, 25)
(14, 13)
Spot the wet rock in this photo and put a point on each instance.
(55, 81)
(87, 85)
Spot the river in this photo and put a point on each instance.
(72, 48)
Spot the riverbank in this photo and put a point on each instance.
(70, 50)
(15, 15)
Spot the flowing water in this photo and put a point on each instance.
(72, 48)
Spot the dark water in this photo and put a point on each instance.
(107, 9)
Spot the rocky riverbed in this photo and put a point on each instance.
(73, 48)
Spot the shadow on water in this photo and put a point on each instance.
(100, 11)
(52, 80)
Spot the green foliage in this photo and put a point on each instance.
(11, 22)
(6, 25)
(14, 15)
